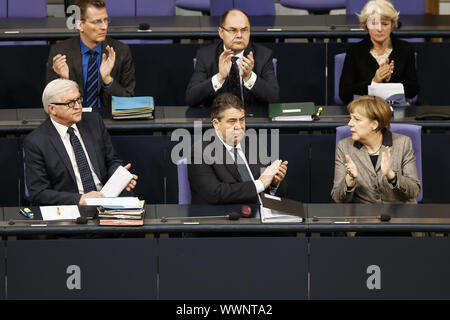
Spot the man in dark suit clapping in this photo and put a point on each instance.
(232, 171)
(234, 65)
(102, 67)
(69, 157)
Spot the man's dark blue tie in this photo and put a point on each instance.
(82, 163)
(234, 78)
(241, 166)
(91, 95)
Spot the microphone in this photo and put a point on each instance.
(382, 218)
(246, 211)
(81, 220)
(230, 216)
(144, 27)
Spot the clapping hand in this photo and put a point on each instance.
(384, 72)
(247, 64)
(60, 66)
(107, 65)
(279, 176)
(386, 164)
(352, 171)
(224, 65)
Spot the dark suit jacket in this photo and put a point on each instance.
(49, 173)
(360, 67)
(201, 92)
(122, 73)
(220, 182)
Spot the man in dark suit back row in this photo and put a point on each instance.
(69, 157)
(228, 172)
(234, 65)
(102, 67)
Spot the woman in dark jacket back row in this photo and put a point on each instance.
(380, 57)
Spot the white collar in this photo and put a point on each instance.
(62, 129)
(229, 148)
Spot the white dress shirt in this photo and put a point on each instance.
(65, 137)
(258, 183)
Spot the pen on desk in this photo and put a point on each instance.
(317, 115)
(319, 111)
(58, 211)
(27, 213)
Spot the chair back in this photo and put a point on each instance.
(184, 189)
(411, 130)
(218, 7)
(196, 5)
(403, 6)
(314, 6)
(338, 66)
(121, 8)
(256, 7)
(3, 9)
(155, 7)
(27, 8)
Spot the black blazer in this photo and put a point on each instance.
(201, 92)
(49, 173)
(123, 71)
(220, 183)
(360, 67)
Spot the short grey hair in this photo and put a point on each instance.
(54, 89)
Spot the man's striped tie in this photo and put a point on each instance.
(91, 95)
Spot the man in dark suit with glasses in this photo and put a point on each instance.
(102, 67)
(234, 65)
(69, 157)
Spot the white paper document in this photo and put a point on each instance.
(385, 90)
(274, 216)
(118, 181)
(59, 212)
(115, 202)
(293, 118)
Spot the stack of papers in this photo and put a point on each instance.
(275, 216)
(393, 93)
(280, 210)
(132, 107)
(118, 211)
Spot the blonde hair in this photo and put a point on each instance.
(54, 89)
(384, 8)
(374, 108)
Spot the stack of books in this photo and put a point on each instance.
(132, 107)
(114, 216)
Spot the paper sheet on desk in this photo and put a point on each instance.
(115, 202)
(118, 181)
(59, 212)
(275, 216)
(385, 90)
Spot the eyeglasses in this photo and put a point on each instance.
(70, 104)
(99, 21)
(234, 31)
